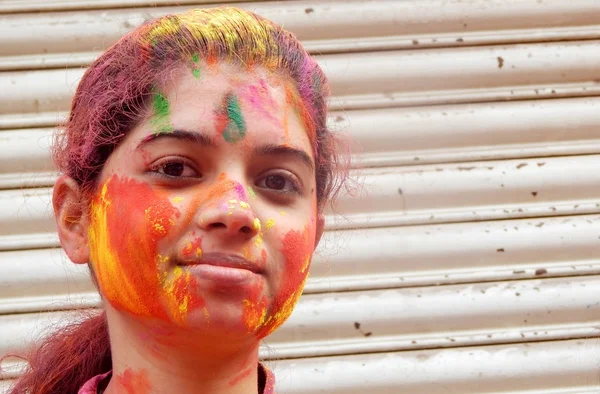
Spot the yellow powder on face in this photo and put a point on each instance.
(270, 224)
(254, 315)
(258, 240)
(306, 264)
(251, 192)
(283, 213)
(116, 287)
(244, 205)
(176, 200)
(276, 320)
(178, 303)
(256, 224)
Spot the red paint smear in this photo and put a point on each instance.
(242, 375)
(137, 218)
(297, 246)
(221, 117)
(182, 289)
(292, 98)
(191, 249)
(134, 382)
(149, 218)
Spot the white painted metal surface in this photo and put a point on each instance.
(467, 258)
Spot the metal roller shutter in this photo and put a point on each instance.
(469, 260)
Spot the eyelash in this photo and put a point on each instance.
(296, 188)
(288, 176)
(154, 169)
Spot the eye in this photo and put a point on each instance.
(174, 168)
(282, 182)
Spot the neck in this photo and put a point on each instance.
(161, 360)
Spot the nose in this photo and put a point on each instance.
(231, 218)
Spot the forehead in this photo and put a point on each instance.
(265, 102)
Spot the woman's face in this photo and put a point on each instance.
(205, 216)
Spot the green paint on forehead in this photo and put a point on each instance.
(160, 119)
(236, 127)
(196, 66)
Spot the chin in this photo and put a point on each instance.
(219, 319)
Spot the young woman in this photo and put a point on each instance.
(196, 164)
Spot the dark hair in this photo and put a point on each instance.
(112, 97)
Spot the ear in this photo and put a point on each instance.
(71, 219)
(320, 228)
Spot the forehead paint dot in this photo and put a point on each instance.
(259, 98)
(160, 120)
(196, 66)
(239, 190)
(270, 224)
(229, 120)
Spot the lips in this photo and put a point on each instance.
(225, 260)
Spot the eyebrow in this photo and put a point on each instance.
(285, 150)
(182, 135)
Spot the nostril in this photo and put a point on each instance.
(217, 225)
(246, 230)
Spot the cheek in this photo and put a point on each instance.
(297, 250)
(128, 221)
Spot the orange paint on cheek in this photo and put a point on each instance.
(133, 382)
(128, 220)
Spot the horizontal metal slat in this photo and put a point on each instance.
(471, 192)
(565, 367)
(13, 6)
(326, 26)
(399, 136)
(435, 76)
(404, 319)
(32, 280)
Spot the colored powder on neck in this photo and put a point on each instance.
(133, 382)
(160, 120)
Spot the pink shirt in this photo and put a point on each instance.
(97, 384)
